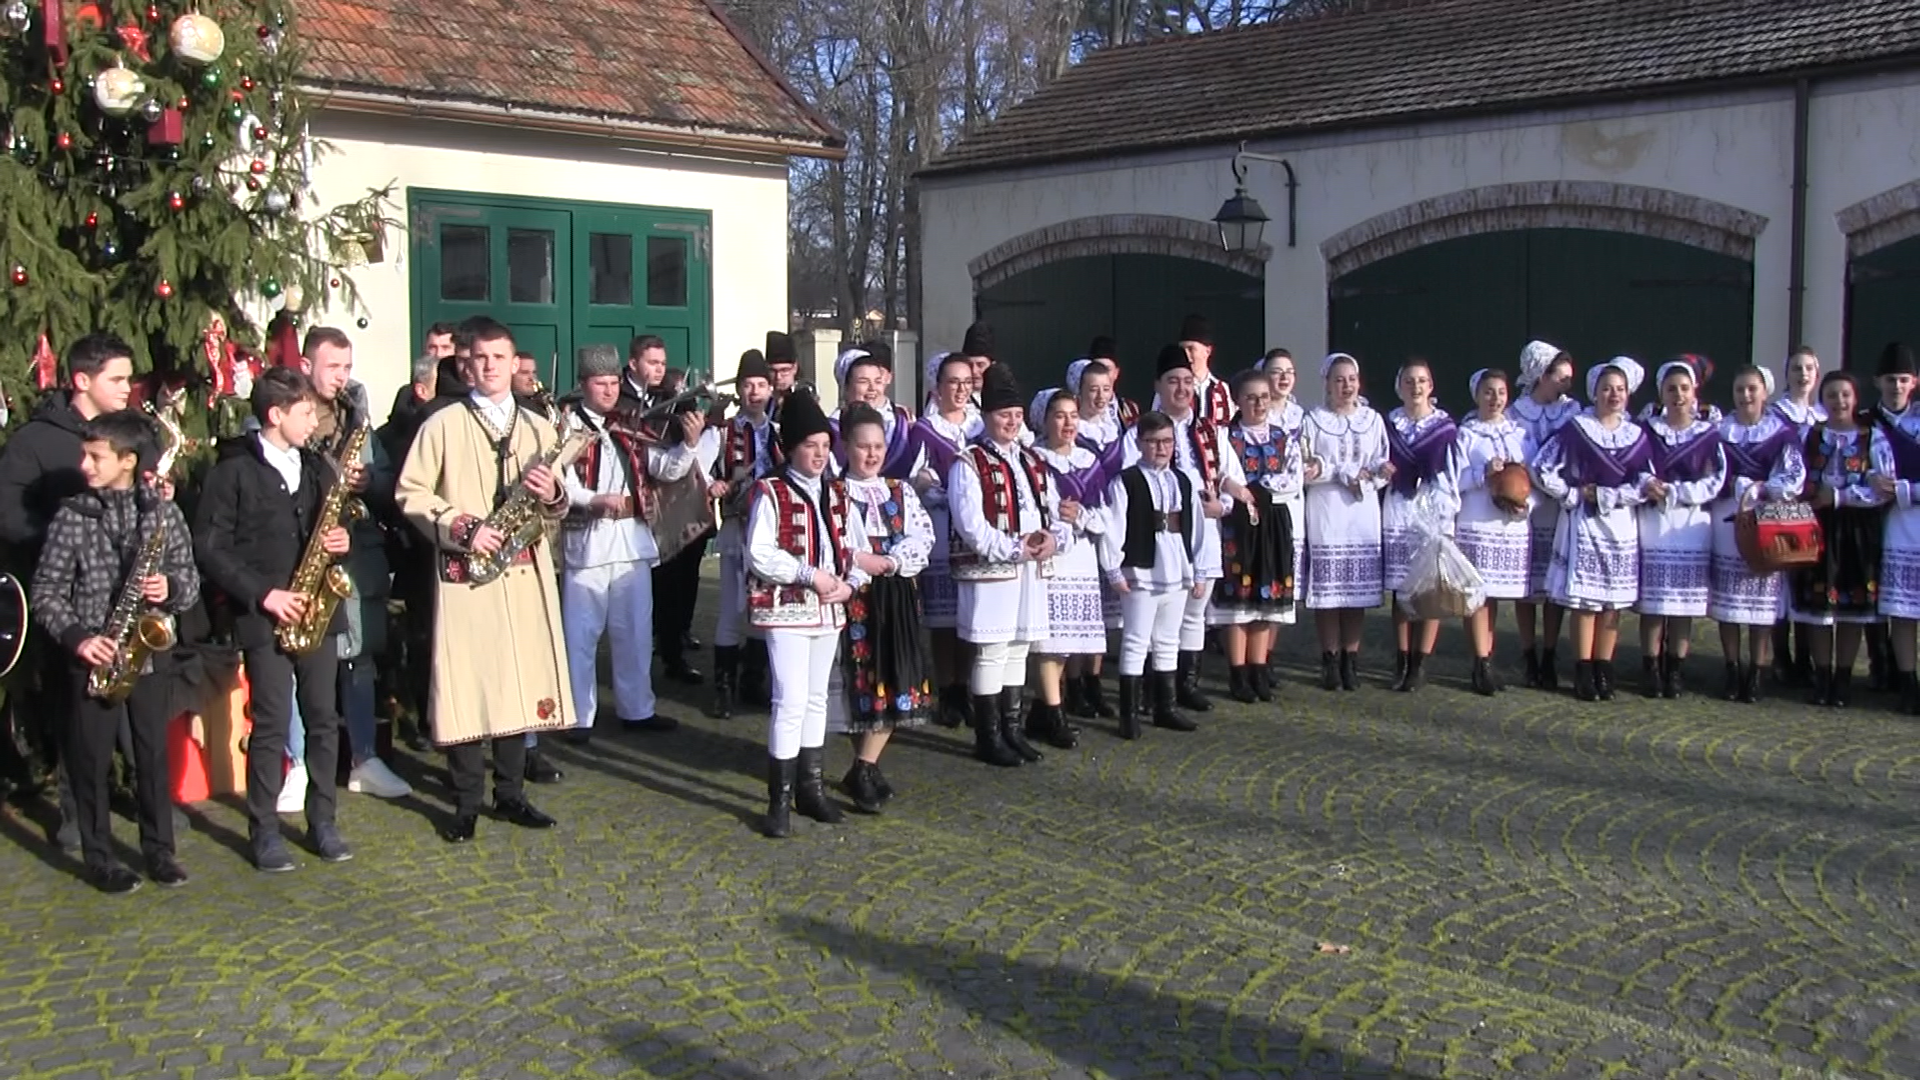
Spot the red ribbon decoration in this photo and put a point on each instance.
(46, 366)
(53, 27)
(134, 40)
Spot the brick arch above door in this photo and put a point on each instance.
(1112, 234)
(1882, 220)
(1566, 204)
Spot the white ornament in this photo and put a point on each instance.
(197, 39)
(292, 299)
(118, 91)
(243, 135)
(243, 380)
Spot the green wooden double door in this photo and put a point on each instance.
(564, 274)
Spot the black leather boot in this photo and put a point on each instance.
(1583, 689)
(780, 774)
(1673, 682)
(953, 706)
(1261, 678)
(1819, 685)
(1329, 671)
(1416, 676)
(860, 786)
(1603, 679)
(1910, 693)
(1012, 724)
(1350, 669)
(1131, 701)
(1735, 679)
(1400, 665)
(1802, 656)
(1750, 685)
(751, 686)
(1095, 696)
(1650, 676)
(1165, 697)
(1879, 657)
(1188, 693)
(1549, 677)
(1840, 689)
(1483, 677)
(1782, 654)
(726, 671)
(1239, 684)
(988, 743)
(1532, 666)
(810, 788)
(1048, 723)
(1070, 703)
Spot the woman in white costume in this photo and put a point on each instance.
(1763, 464)
(1497, 539)
(1344, 444)
(1077, 627)
(951, 422)
(1799, 405)
(1540, 403)
(1420, 439)
(1676, 531)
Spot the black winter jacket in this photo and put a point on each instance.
(91, 547)
(39, 470)
(249, 533)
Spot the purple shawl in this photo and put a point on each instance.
(1755, 461)
(940, 451)
(1683, 462)
(1423, 458)
(898, 464)
(1906, 451)
(1109, 459)
(1589, 463)
(1087, 486)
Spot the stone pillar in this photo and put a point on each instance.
(817, 350)
(908, 384)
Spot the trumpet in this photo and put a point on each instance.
(640, 421)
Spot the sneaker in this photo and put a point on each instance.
(165, 871)
(373, 777)
(293, 795)
(328, 845)
(270, 854)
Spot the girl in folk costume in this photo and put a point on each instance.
(1799, 405)
(885, 671)
(1077, 627)
(865, 374)
(1596, 470)
(1103, 350)
(1838, 596)
(1540, 404)
(1285, 415)
(1212, 401)
(1344, 444)
(1102, 428)
(1702, 369)
(1006, 531)
(1493, 533)
(1201, 450)
(1676, 529)
(1900, 567)
(951, 422)
(806, 554)
(1894, 414)
(1763, 464)
(1256, 541)
(749, 451)
(1420, 440)
(1147, 554)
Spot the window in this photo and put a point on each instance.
(610, 257)
(529, 266)
(464, 263)
(666, 271)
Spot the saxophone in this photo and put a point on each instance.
(136, 630)
(518, 518)
(318, 578)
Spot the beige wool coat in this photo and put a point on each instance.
(499, 654)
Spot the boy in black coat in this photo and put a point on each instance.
(257, 508)
(94, 543)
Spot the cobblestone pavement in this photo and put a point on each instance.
(1523, 887)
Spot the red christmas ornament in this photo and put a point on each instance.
(176, 201)
(237, 96)
(58, 85)
(253, 184)
(164, 290)
(153, 12)
(260, 133)
(246, 82)
(264, 31)
(19, 274)
(333, 283)
(93, 221)
(64, 141)
(182, 103)
(257, 167)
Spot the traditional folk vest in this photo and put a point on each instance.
(1216, 403)
(738, 462)
(1144, 522)
(1129, 411)
(1001, 509)
(1259, 460)
(773, 606)
(1205, 444)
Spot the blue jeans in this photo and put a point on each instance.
(356, 696)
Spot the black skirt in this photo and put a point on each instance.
(1845, 583)
(886, 665)
(1256, 561)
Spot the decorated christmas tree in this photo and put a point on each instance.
(154, 185)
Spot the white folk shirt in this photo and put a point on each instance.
(1207, 561)
(910, 551)
(1172, 563)
(604, 541)
(1015, 609)
(770, 562)
(285, 462)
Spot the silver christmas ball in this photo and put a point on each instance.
(277, 201)
(151, 111)
(201, 185)
(19, 16)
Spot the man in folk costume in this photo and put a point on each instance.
(499, 657)
(865, 373)
(749, 452)
(607, 587)
(806, 555)
(1213, 401)
(783, 368)
(978, 346)
(1006, 526)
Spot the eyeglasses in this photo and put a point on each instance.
(1162, 440)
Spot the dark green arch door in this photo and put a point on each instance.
(1883, 302)
(1045, 317)
(1472, 302)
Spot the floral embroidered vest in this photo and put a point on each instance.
(772, 605)
(1000, 507)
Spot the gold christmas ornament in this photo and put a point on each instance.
(118, 91)
(196, 38)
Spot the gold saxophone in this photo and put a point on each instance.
(136, 630)
(318, 578)
(518, 518)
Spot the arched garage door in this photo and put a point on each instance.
(1883, 302)
(1472, 302)
(1045, 317)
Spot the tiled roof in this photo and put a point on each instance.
(1396, 60)
(676, 63)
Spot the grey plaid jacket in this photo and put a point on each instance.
(91, 545)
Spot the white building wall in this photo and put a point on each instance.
(1734, 149)
(747, 201)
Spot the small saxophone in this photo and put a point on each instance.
(319, 578)
(137, 631)
(518, 519)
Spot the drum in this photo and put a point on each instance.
(681, 513)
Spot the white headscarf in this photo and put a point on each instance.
(1037, 408)
(1625, 365)
(1535, 359)
(844, 363)
(1766, 380)
(1660, 373)
(1473, 382)
(934, 363)
(1074, 371)
(1326, 365)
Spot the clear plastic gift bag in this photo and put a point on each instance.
(1441, 582)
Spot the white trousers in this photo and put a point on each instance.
(1152, 622)
(615, 600)
(997, 666)
(802, 663)
(1193, 622)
